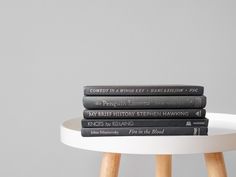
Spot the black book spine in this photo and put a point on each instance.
(144, 131)
(144, 113)
(106, 123)
(162, 90)
(144, 102)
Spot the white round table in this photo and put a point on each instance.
(221, 137)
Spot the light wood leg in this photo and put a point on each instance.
(110, 165)
(215, 164)
(163, 165)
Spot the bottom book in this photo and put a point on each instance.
(144, 131)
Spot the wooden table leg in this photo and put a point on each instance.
(163, 165)
(110, 165)
(215, 164)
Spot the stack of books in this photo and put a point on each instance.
(144, 110)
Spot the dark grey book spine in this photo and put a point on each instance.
(158, 90)
(106, 123)
(144, 113)
(144, 131)
(144, 102)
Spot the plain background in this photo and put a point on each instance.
(50, 49)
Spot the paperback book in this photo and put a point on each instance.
(144, 113)
(144, 131)
(144, 102)
(160, 90)
(95, 123)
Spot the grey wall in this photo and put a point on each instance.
(49, 49)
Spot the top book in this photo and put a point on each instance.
(144, 90)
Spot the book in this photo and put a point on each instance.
(144, 113)
(100, 123)
(158, 90)
(144, 102)
(144, 131)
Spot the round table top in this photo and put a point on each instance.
(221, 137)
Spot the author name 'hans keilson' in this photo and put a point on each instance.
(144, 110)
